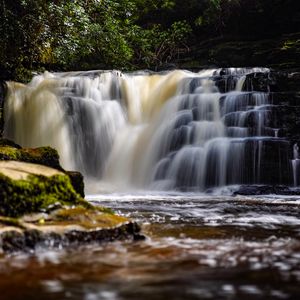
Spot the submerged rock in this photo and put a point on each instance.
(65, 227)
(252, 190)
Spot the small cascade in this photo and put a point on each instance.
(62, 111)
(85, 101)
(161, 131)
(296, 165)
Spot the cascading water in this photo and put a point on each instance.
(296, 165)
(163, 131)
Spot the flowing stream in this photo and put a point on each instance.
(197, 247)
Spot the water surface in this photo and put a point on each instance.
(197, 247)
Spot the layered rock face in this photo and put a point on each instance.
(270, 107)
(244, 132)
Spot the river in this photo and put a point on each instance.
(197, 247)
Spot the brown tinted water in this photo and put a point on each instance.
(197, 247)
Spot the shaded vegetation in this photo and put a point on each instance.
(280, 53)
(128, 34)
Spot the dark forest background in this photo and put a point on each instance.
(136, 34)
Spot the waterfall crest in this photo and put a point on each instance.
(162, 131)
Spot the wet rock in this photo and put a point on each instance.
(285, 98)
(249, 190)
(41, 205)
(77, 182)
(275, 81)
(8, 143)
(27, 188)
(65, 227)
(287, 118)
(46, 156)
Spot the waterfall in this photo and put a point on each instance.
(296, 165)
(159, 131)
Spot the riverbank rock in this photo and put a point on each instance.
(43, 205)
(46, 156)
(65, 227)
(27, 188)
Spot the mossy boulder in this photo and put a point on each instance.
(46, 156)
(37, 193)
(39, 206)
(27, 188)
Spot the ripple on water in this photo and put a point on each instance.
(198, 247)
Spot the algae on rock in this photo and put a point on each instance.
(64, 227)
(43, 155)
(40, 207)
(34, 192)
(46, 156)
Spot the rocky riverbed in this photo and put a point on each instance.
(197, 247)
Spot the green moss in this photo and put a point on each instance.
(290, 44)
(6, 142)
(46, 156)
(87, 218)
(6, 221)
(105, 210)
(9, 153)
(35, 194)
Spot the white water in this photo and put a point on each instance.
(296, 165)
(144, 131)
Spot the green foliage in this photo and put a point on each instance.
(219, 13)
(125, 34)
(39, 34)
(159, 47)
